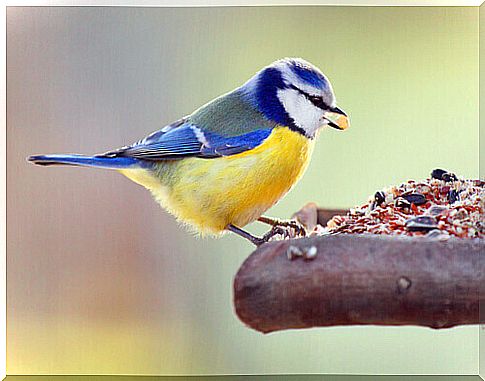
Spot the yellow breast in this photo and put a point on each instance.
(209, 194)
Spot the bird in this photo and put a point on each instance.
(222, 166)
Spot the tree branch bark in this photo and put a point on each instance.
(355, 280)
(324, 215)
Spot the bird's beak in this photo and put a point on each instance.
(337, 118)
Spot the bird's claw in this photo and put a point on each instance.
(292, 226)
(286, 229)
(275, 230)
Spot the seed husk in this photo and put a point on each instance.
(293, 252)
(310, 253)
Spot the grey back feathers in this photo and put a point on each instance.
(230, 115)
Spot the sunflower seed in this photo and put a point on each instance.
(415, 198)
(453, 196)
(421, 223)
(441, 174)
(379, 197)
(447, 177)
(438, 174)
(401, 202)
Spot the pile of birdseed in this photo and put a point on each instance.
(441, 206)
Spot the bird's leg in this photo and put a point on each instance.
(242, 233)
(257, 240)
(292, 224)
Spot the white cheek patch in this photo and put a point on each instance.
(306, 116)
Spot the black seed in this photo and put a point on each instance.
(453, 196)
(438, 173)
(379, 197)
(421, 223)
(447, 177)
(402, 203)
(415, 198)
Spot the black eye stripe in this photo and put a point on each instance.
(316, 100)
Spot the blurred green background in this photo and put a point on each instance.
(101, 280)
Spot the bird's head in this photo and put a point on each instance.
(294, 93)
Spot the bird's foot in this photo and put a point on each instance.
(285, 231)
(293, 228)
(275, 231)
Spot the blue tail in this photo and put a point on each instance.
(85, 161)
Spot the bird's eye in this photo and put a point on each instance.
(315, 99)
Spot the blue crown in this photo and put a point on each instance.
(306, 72)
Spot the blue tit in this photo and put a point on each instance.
(225, 164)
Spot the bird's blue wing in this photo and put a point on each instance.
(185, 139)
(218, 145)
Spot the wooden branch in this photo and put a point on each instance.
(310, 215)
(353, 279)
(324, 215)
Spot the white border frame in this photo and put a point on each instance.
(143, 3)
